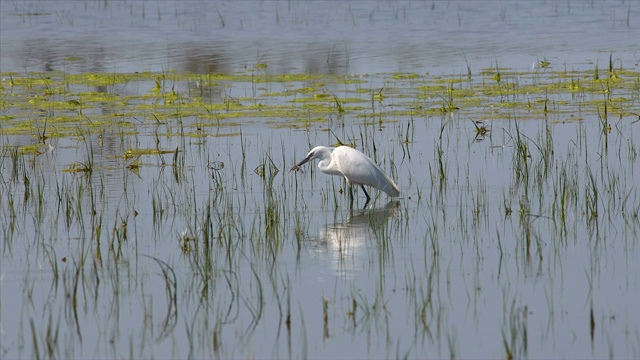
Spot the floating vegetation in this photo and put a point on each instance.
(213, 251)
(136, 153)
(62, 102)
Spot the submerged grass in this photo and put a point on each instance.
(48, 103)
(240, 244)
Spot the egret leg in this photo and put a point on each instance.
(350, 196)
(365, 194)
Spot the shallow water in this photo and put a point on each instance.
(519, 240)
(313, 37)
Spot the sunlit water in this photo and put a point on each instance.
(225, 256)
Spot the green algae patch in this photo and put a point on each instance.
(35, 149)
(77, 167)
(135, 153)
(231, 134)
(60, 105)
(405, 76)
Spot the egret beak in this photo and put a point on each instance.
(296, 167)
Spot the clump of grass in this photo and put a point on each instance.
(338, 103)
(481, 129)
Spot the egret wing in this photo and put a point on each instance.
(359, 169)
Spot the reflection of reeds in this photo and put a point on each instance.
(515, 338)
(229, 232)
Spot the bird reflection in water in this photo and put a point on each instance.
(346, 244)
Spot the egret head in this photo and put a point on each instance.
(318, 152)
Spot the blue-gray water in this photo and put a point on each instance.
(315, 37)
(475, 265)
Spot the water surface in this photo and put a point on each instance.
(147, 209)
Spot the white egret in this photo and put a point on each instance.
(356, 167)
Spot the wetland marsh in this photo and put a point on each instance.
(147, 210)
